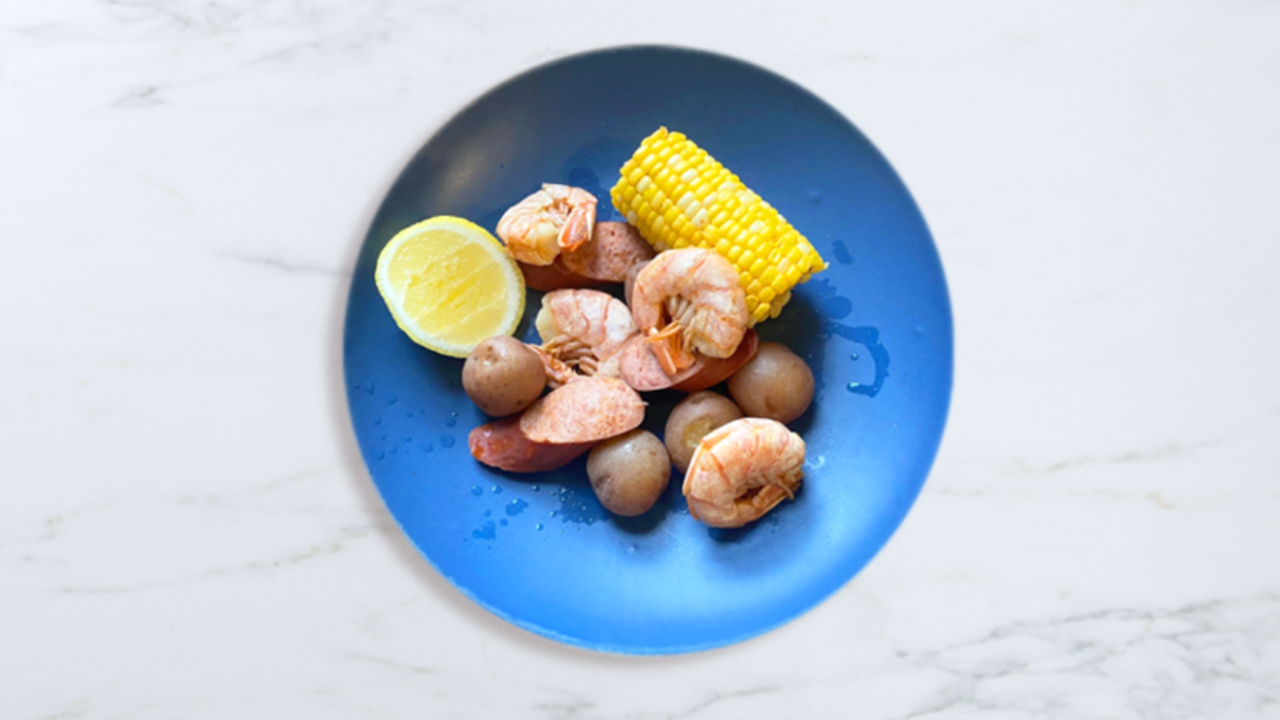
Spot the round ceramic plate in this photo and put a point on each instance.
(538, 550)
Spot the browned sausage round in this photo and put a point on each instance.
(640, 368)
(586, 410)
(501, 444)
(613, 249)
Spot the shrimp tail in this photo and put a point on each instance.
(670, 351)
(577, 227)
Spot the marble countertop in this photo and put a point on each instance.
(187, 529)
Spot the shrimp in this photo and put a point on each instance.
(689, 300)
(555, 218)
(580, 330)
(741, 470)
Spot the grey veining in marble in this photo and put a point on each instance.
(187, 530)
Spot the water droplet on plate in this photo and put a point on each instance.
(446, 441)
(841, 252)
(451, 420)
(477, 491)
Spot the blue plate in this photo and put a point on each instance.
(538, 550)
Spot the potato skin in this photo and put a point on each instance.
(694, 417)
(775, 384)
(628, 473)
(502, 376)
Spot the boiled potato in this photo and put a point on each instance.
(502, 376)
(629, 472)
(775, 384)
(695, 416)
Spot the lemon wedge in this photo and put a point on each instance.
(450, 285)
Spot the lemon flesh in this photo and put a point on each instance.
(449, 284)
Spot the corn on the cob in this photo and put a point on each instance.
(679, 196)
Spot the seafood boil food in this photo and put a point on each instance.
(665, 301)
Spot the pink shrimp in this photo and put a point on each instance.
(555, 218)
(689, 300)
(742, 470)
(581, 330)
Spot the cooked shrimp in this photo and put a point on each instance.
(581, 329)
(555, 218)
(741, 470)
(689, 300)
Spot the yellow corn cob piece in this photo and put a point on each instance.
(678, 196)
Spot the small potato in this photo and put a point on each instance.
(775, 384)
(502, 376)
(695, 416)
(629, 472)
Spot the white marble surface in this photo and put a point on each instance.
(186, 528)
